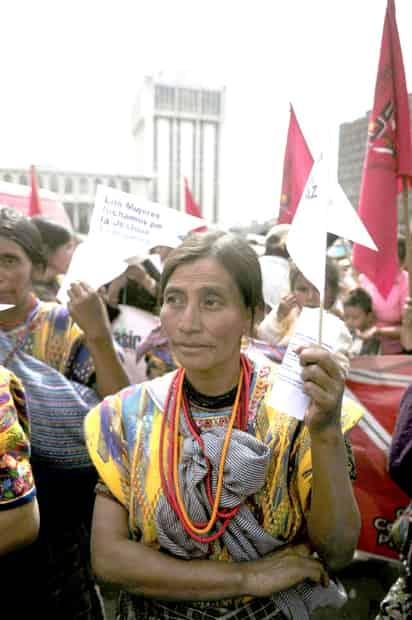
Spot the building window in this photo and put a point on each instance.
(188, 100)
(164, 97)
(211, 102)
(125, 186)
(7, 178)
(68, 185)
(54, 183)
(23, 179)
(112, 183)
(83, 185)
(40, 181)
(97, 182)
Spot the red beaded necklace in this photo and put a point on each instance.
(168, 459)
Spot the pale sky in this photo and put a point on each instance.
(72, 68)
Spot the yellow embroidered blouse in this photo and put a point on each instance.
(122, 435)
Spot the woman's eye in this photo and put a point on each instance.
(212, 302)
(173, 300)
(7, 261)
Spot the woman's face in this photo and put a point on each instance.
(59, 260)
(204, 316)
(15, 273)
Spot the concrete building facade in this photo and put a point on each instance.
(76, 190)
(177, 128)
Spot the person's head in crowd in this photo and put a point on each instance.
(237, 270)
(59, 244)
(275, 242)
(307, 294)
(358, 310)
(22, 258)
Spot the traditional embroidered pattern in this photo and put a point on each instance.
(16, 479)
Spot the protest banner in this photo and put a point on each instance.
(378, 383)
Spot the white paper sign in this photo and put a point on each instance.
(93, 262)
(135, 219)
(5, 307)
(287, 394)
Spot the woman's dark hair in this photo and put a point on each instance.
(360, 298)
(232, 252)
(53, 235)
(20, 229)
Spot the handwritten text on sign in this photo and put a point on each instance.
(130, 217)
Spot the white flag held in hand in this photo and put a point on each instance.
(323, 208)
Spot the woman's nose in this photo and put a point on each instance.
(190, 318)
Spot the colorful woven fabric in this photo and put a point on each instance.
(16, 479)
(122, 435)
(48, 356)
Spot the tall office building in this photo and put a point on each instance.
(177, 128)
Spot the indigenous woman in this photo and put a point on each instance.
(211, 503)
(19, 513)
(61, 369)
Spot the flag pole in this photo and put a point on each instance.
(407, 223)
(321, 309)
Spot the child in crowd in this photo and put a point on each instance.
(360, 320)
(278, 326)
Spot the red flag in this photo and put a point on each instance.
(388, 157)
(191, 207)
(34, 201)
(297, 165)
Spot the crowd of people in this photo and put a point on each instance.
(138, 445)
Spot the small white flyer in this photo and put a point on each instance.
(287, 394)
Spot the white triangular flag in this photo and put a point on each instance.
(344, 221)
(323, 208)
(306, 242)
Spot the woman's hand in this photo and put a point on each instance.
(282, 570)
(324, 384)
(88, 311)
(286, 305)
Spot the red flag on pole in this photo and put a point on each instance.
(191, 207)
(297, 165)
(388, 157)
(34, 202)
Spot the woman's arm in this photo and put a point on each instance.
(334, 520)
(88, 310)
(19, 526)
(389, 332)
(141, 570)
